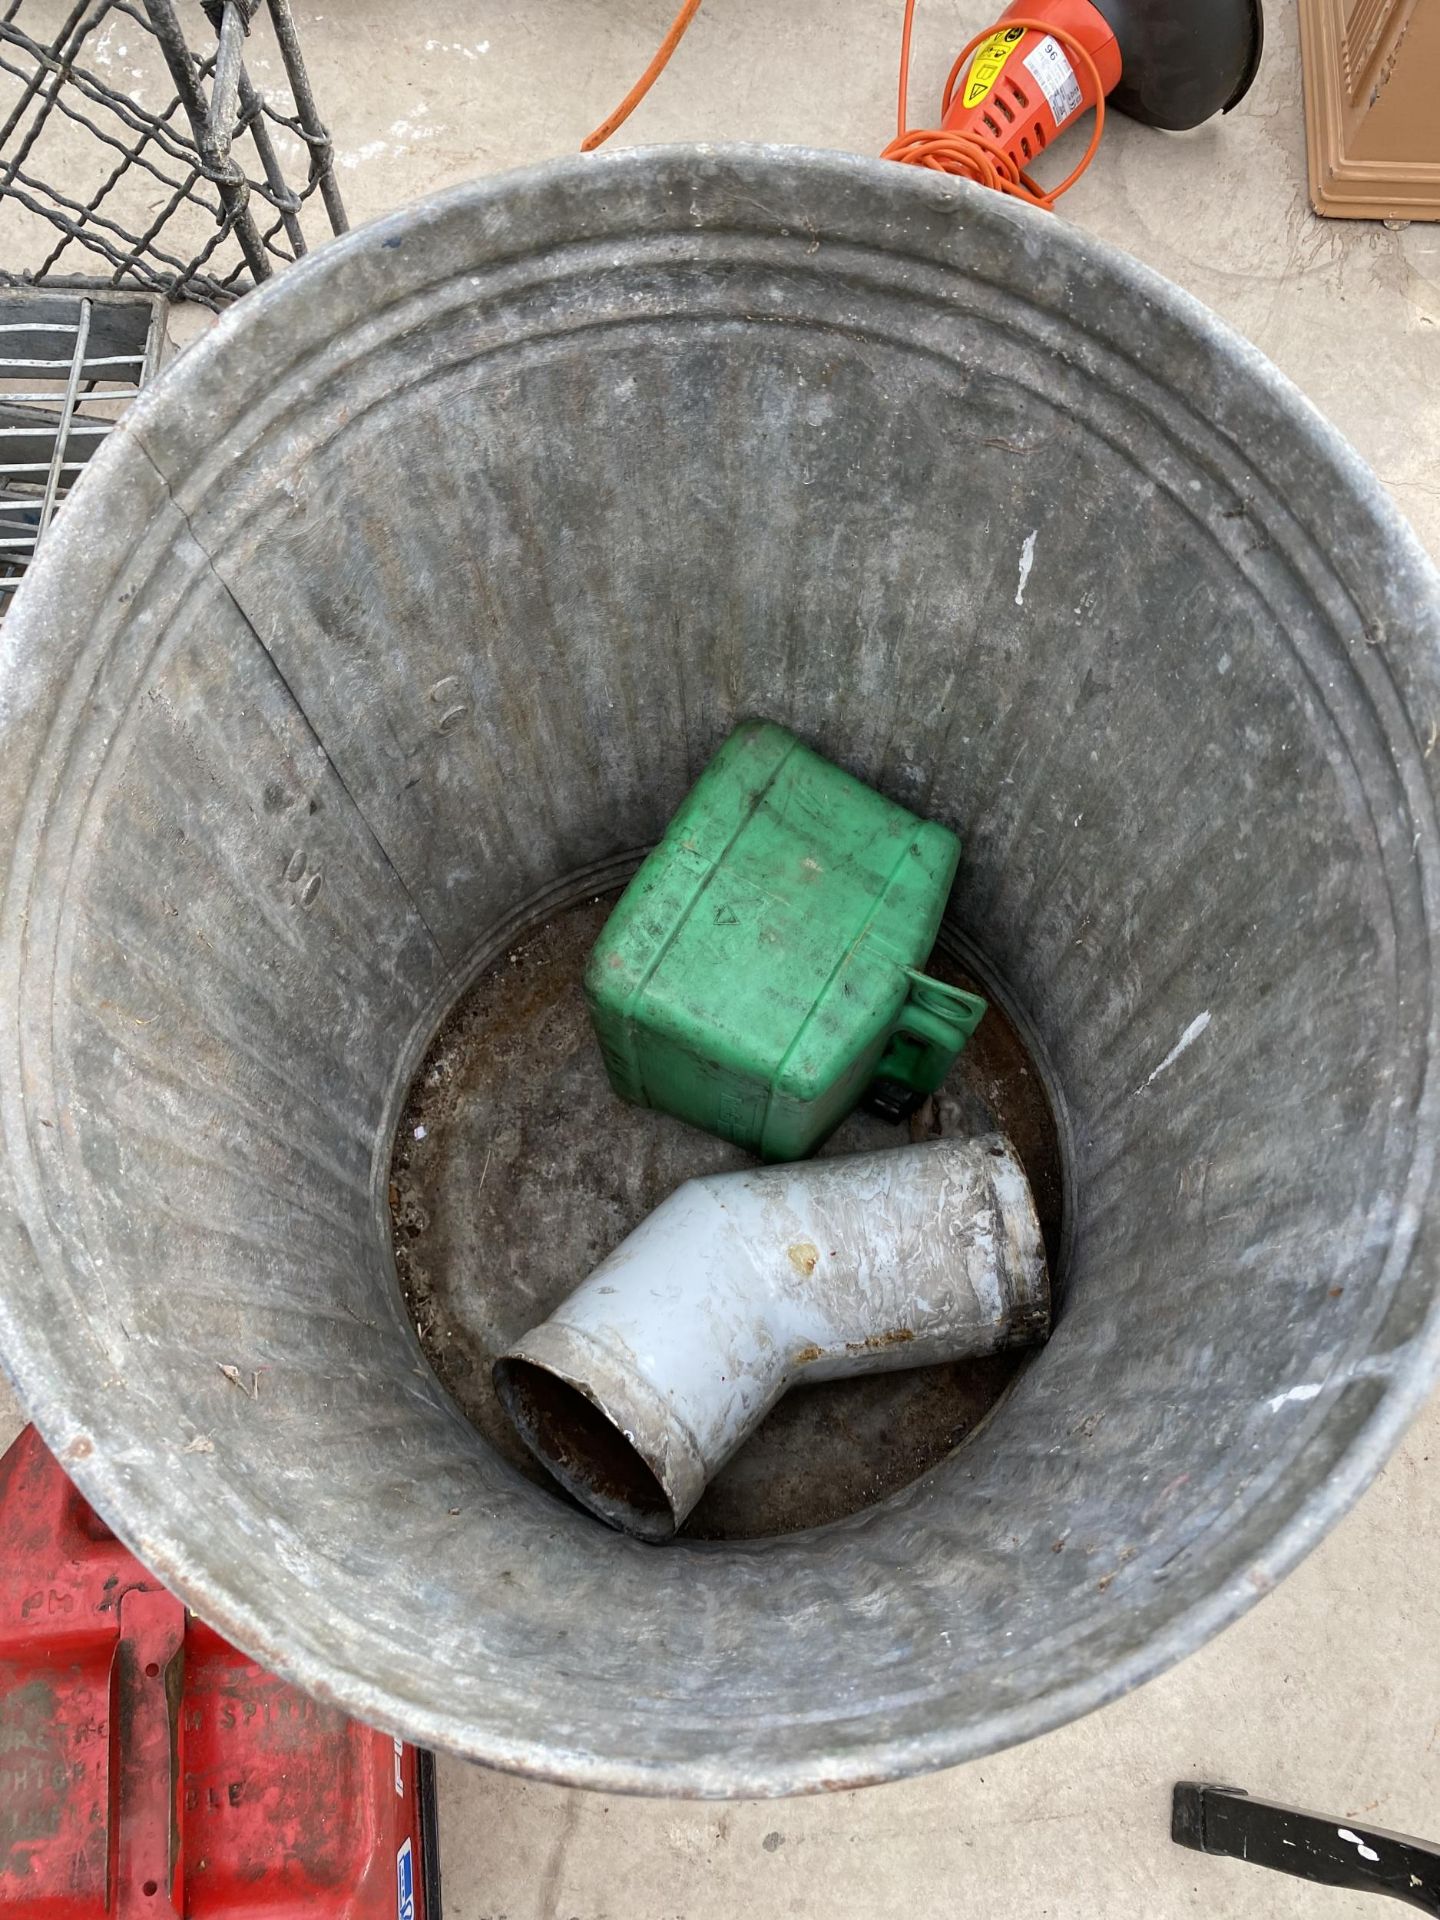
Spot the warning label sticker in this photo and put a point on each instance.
(990, 57)
(1055, 78)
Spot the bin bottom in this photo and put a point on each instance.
(516, 1170)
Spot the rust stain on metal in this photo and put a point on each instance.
(807, 1356)
(857, 1785)
(803, 1256)
(878, 1342)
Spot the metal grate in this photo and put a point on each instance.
(200, 193)
(69, 366)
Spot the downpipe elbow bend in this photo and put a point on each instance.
(643, 1383)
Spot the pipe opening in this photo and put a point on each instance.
(579, 1444)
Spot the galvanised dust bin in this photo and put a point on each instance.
(405, 608)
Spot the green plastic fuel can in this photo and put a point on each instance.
(759, 976)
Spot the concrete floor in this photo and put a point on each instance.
(1328, 1693)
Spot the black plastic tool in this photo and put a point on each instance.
(1308, 1846)
(1184, 60)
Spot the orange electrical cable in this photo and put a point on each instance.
(642, 86)
(974, 156)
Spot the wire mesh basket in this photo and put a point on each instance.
(70, 364)
(146, 160)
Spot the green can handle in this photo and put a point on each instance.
(941, 1018)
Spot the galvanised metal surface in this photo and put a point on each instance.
(426, 584)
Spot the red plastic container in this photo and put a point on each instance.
(148, 1771)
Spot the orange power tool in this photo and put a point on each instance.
(1043, 63)
(1014, 87)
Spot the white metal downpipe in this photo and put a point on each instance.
(655, 1370)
